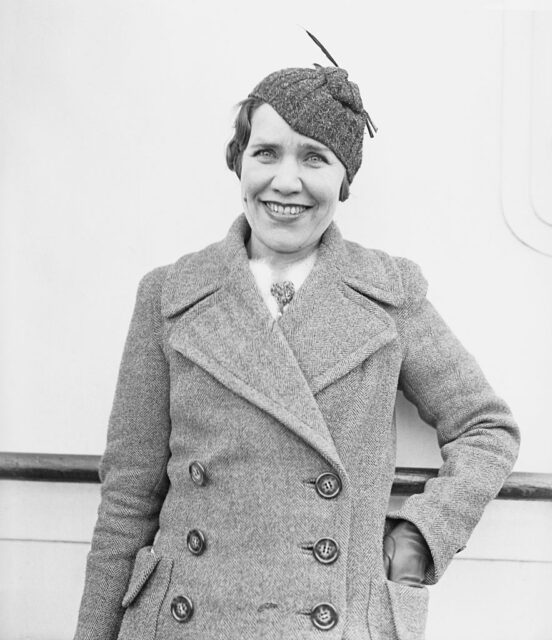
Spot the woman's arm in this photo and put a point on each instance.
(132, 470)
(478, 437)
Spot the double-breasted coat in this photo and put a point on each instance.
(249, 462)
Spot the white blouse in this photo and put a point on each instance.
(265, 276)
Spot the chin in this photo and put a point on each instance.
(286, 247)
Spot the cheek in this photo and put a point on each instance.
(328, 193)
(253, 179)
(327, 186)
(247, 189)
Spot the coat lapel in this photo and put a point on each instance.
(222, 324)
(335, 322)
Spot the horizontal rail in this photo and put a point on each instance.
(56, 467)
(49, 467)
(518, 486)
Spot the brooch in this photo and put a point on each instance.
(283, 292)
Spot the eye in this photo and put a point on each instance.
(265, 154)
(316, 159)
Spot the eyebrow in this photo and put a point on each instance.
(314, 146)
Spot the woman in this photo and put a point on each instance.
(251, 446)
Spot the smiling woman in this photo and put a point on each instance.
(290, 189)
(251, 446)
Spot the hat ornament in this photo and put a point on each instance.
(341, 88)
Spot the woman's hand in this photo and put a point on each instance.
(406, 555)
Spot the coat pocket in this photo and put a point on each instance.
(409, 610)
(144, 565)
(397, 611)
(142, 601)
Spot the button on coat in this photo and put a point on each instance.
(196, 542)
(198, 473)
(326, 550)
(324, 616)
(182, 608)
(328, 485)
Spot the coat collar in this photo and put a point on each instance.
(369, 271)
(333, 324)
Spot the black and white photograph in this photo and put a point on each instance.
(276, 328)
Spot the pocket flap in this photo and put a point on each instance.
(409, 609)
(144, 565)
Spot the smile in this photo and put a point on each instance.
(286, 209)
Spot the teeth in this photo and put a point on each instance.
(285, 209)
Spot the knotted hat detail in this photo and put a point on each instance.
(341, 89)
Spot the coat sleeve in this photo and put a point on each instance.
(477, 435)
(132, 469)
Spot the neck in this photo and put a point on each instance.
(278, 262)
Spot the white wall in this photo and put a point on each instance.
(113, 122)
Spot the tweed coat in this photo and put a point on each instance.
(266, 408)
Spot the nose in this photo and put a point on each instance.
(286, 177)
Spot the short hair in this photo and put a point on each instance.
(240, 140)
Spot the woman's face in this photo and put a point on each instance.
(290, 188)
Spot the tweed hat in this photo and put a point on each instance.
(323, 104)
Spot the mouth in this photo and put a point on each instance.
(285, 209)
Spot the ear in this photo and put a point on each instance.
(344, 190)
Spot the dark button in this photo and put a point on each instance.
(196, 542)
(182, 608)
(326, 550)
(198, 473)
(328, 485)
(324, 616)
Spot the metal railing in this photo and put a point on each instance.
(55, 467)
